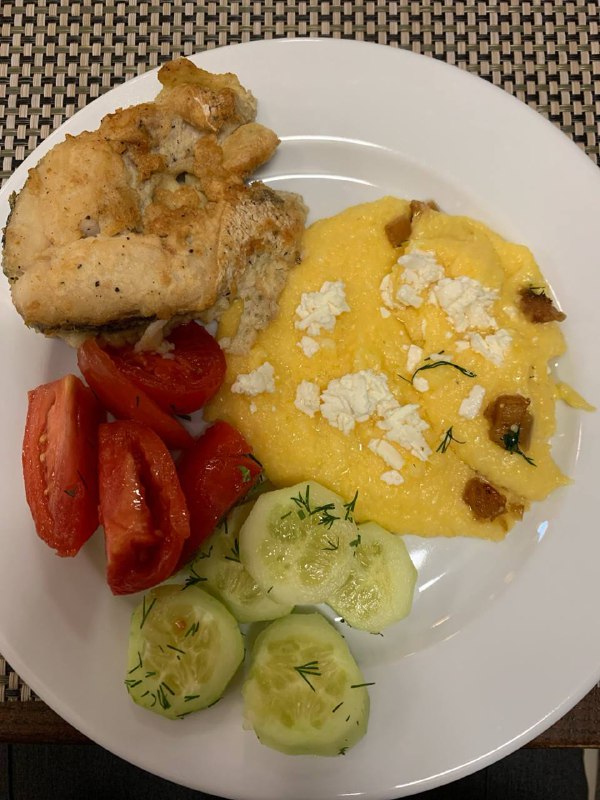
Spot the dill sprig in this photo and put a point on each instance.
(235, 552)
(146, 611)
(192, 579)
(355, 542)
(303, 503)
(350, 507)
(511, 443)
(326, 518)
(435, 364)
(332, 545)
(246, 474)
(310, 668)
(445, 443)
(192, 630)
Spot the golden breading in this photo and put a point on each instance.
(149, 217)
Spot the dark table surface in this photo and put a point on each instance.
(56, 57)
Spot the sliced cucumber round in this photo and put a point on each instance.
(379, 589)
(304, 693)
(296, 543)
(184, 648)
(219, 568)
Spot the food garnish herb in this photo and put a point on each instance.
(71, 492)
(192, 630)
(342, 751)
(192, 579)
(235, 552)
(146, 611)
(350, 507)
(310, 668)
(359, 685)
(332, 545)
(435, 364)
(511, 443)
(246, 474)
(445, 443)
(138, 665)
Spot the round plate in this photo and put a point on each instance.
(503, 637)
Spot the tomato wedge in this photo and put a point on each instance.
(215, 473)
(183, 381)
(142, 507)
(124, 399)
(60, 448)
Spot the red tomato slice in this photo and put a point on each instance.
(60, 449)
(124, 399)
(183, 381)
(142, 507)
(215, 473)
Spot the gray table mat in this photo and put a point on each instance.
(55, 57)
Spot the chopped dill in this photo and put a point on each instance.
(350, 507)
(511, 443)
(146, 611)
(445, 443)
(310, 668)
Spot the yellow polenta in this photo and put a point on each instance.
(352, 247)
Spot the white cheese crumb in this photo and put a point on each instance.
(493, 346)
(420, 270)
(392, 477)
(384, 312)
(404, 426)
(387, 452)
(471, 405)
(308, 346)
(320, 309)
(308, 398)
(353, 398)
(252, 408)
(466, 302)
(260, 380)
(385, 290)
(413, 358)
(421, 384)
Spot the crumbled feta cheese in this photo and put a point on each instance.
(387, 452)
(471, 405)
(413, 358)
(466, 302)
(421, 384)
(385, 290)
(308, 346)
(308, 398)
(420, 270)
(404, 426)
(320, 309)
(392, 477)
(357, 396)
(260, 380)
(384, 312)
(353, 398)
(493, 346)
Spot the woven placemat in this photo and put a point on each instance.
(57, 56)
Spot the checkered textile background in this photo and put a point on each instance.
(57, 56)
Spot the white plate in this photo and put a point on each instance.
(503, 638)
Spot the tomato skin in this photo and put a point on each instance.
(60, 448)
(124, 399)
(184, 381)
(215, 473)
(142, 507)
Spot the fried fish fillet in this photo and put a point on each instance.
(149, 218)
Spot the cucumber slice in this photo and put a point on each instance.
(228, 580)
(379, 589)
(184, 648)
(305, 693)
(296, 543)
